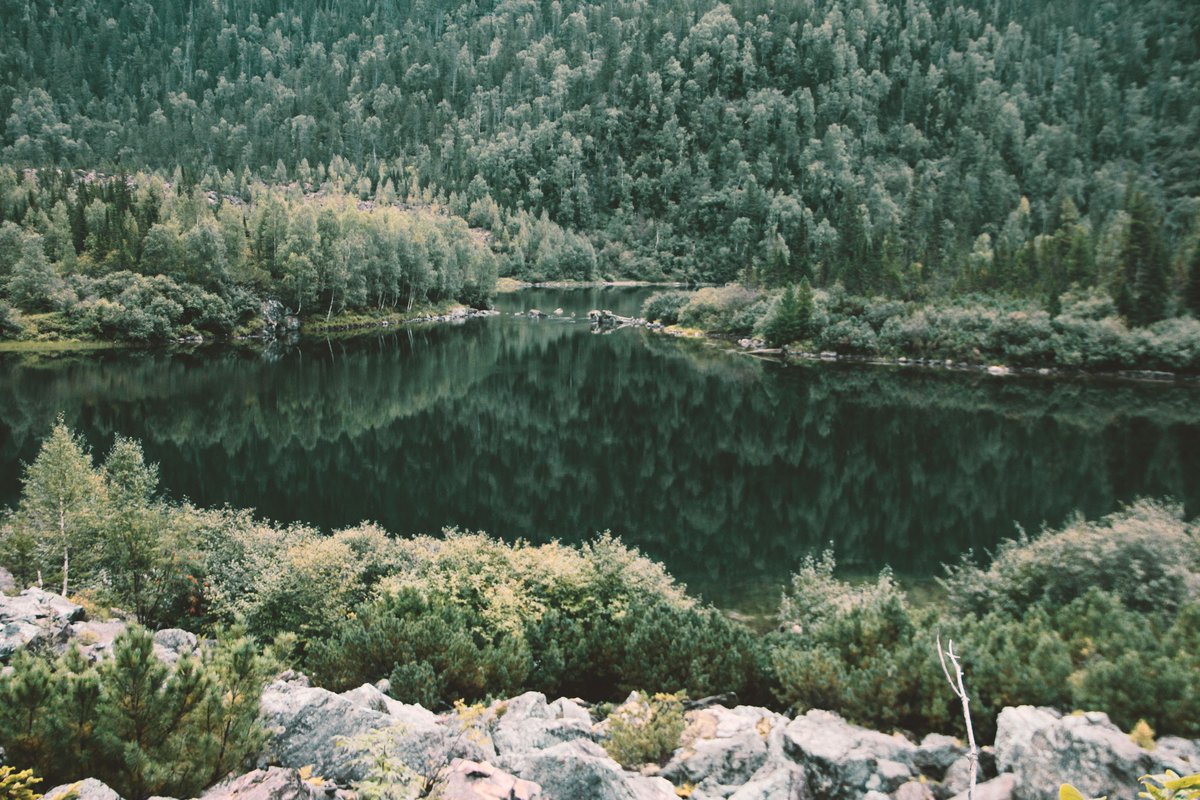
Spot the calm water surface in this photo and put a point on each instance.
(728, 469)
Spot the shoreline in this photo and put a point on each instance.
(781, 355)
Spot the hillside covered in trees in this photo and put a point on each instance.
(910, 148)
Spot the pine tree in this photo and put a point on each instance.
(1191, 293)
(1144, 264)
(793, 316)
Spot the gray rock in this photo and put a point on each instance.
(95, 639)
(528, 722)
(8, 584)
(1015, 728)
(913, 790)
(1086, 750)
(473, 780)
(1000, 788)
(845, 761)
(372, 699)
(314, 726)
(1185, 752)
(723, 748)
(581, 770)
(936, 753)
(90, 789)
(775, 781)
(170, 644)
(34, 619)
(273, 783)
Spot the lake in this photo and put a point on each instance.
(727, 468)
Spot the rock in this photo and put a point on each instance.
(8, 584)
(580, 770)
(308, 723)
(1086, 750)
(536, 314)
(528, 722)
(828, 355)
(845, 761)
(1185, 752)
(722, 748)
(473, 780)
(273, 783)
(913, 790)
(1000, 788)
(95, 639)
(558, 312)
(35, 619)
(90, 789)
(936, 753)
(775, 781)
(998, 369)
(372, 699)
(1015, 728)
(171, 644)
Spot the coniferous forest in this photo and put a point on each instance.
(914, 150)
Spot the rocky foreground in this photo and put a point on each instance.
(530, 747)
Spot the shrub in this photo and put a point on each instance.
(16, 785)
(664, 307)
(728, 309)
(645, 731)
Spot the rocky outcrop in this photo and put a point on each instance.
(473, 780)
(35, 619)
(273, 783)
(842, 760)
(315, 726)
(90, 789)
(582, 769)
(529, 722)
(1041, 748)
(725, 749)
(8, 584)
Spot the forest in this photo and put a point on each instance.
(914, 150)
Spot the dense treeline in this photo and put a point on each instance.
(1068, 618)
(896, 147)
(142, 258)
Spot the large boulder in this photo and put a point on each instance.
(171, 644)
(1015, 728)
(936, 753)
(724, 748)
(90, 789)
(8, 584)
(94, 638)
(845, 761)
(527, 722)
(581, 769)
(998, 788)
(314, 726)
(273, 783)
(1085, 750)
(474, 780)
(35, 619)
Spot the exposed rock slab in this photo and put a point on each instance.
(474, 780)
(842, 760)
(35, 619)
(273, 783)
(581, 769)
(90, 789)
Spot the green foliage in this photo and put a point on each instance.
(645, 731)
(386, 776)
(859, 650)
(17, 785)
(792, 318)
(141, 726)
(664, 307)
(729, 309)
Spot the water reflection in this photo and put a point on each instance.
(728, 469)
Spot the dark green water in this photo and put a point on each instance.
(726, 468)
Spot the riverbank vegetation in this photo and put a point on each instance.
(1086, 331)
(1099, 615)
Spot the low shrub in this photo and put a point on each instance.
(664, 307)
(645, 731)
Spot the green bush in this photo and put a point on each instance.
(728, 309)
(140, 726)
(664, 307)
(645, 731)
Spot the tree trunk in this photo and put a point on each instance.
(62, 535)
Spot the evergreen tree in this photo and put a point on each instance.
(1144, 295)
(1192, 290)
(792, 319)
